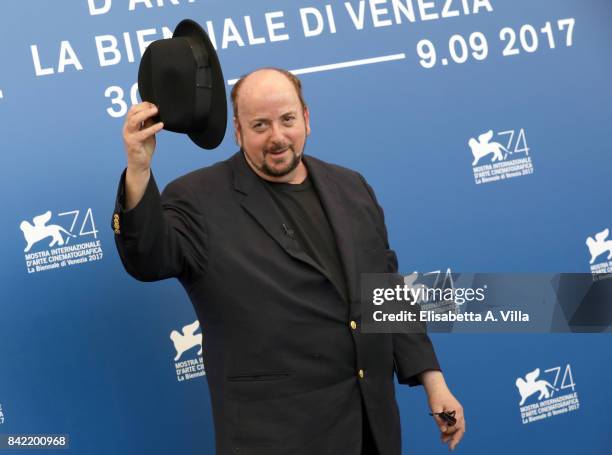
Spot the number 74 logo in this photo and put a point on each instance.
(485, 146)
(531, 385)
(520, 145)
(87, 223)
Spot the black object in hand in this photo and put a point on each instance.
(448, 417)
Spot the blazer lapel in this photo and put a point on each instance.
(257, 201)
(339, 220)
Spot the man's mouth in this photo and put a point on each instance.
(278, 152)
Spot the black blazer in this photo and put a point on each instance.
(282, 357)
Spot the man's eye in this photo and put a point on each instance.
(289, 119)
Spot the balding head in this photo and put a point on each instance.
(262, 80)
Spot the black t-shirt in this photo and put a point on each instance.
(307, 222)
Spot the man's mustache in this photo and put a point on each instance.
(278, 148)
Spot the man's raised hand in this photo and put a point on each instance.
(139, 132)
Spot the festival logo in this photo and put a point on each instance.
(1, 415)
(544, 396)
(600, 249)
(494, 161)
(69, 239)
(184, 342)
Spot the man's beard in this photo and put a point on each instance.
(265, 169)
(293, 163)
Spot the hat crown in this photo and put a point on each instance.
(182, 76)
(173, 82)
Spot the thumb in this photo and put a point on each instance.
(439, 421)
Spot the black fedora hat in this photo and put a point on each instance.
(182, 77)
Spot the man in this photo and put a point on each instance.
(269, 245)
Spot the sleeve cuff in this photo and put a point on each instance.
(413, 355)
(414, 379)
(130, 223)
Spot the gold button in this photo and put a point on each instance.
(361, 374)
(353, 325)
(116, 227)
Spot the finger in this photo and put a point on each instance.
(452, 430)
(458, 435)
(441, 424)
(144, 134)
(460, 421)
(148, 122)
(140, 107)
(137, 109)
(444, 426)
(455, 440)
(135, 121)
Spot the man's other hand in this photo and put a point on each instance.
(441, 399)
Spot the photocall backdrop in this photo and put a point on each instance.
(483, 127)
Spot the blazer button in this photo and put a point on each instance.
(361, 374)
(353, 325)
(116, 227)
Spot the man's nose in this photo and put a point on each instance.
(276, 133)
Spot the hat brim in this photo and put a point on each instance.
(214, 132)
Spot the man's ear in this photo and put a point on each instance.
(307, 119)
(237, 132)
